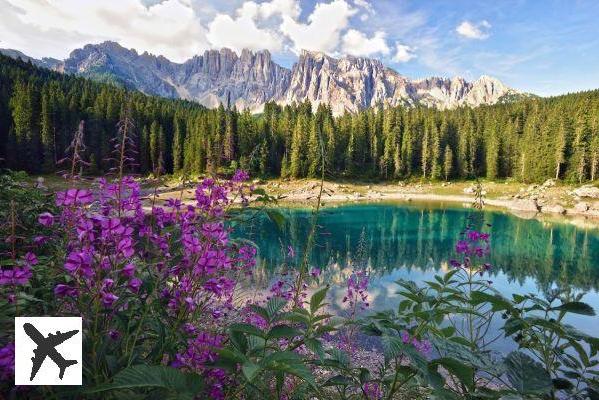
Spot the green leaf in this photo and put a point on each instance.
(246, 328)
(461, 371)
(339, 356)
(250, 370)
(183, 385)
(526, 375)
(317, 298)
(274, 306)
(338, 380)
(316, 346)
(239, 341)
(576, 307)
(290, 363)
(282, 331)
(261, 311)
(498, 303)
(513, 325)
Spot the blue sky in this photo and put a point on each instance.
(541, 46)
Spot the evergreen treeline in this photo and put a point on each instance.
(530, 140)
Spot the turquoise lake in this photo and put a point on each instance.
(415, 241)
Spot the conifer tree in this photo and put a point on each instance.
(447, 162)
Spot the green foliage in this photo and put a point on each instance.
(163, 381)
(266, 355)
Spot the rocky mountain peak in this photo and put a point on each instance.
(251, 78)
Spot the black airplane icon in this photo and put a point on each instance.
(46, 347)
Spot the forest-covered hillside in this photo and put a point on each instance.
(530, 140)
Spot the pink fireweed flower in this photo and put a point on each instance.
(173, 203)
(134, 284)
(7, 362)
(40, 240)
(79, 262)
(15, 276)
(65, 291)
(240, 176)
(114, 334)
(112, 227)
(108, 299)
(191, 243)
(290, 252)
(221, 286)
(74, 197)
(215, 231)
(373, 391)
(128, 270)
(46, 219)
(125, 247)
(210, 261)
(85, 229)
(30, 259)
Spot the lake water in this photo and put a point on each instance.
(415, 241)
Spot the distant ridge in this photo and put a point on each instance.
(250, 79)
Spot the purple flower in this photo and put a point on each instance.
(114, 334)
(85, 229)
(424, 347)
(215, 231)
(290, 252)
(373, 391)
(125, 246)
(128, 270)
(7, 361)
(134, 284)
(61, 290)
(74, 197)
(15, 276)
(315, 272)
(30, 259)
(40, 240)
(112, 227)
(107, 283)
(79, 262)
(240, 176)
(108, 299)
(173, 203)
(45, 219)
(462, 247)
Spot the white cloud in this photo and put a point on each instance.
(53, 27)
(367, 7)
(324, 27)
(290, 8)
(470, 30)
(243, 32)
(403, 53)
(358, 44)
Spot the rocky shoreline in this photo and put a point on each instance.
(527, 202)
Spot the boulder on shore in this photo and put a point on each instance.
(581, 207)
(553, 209)
(589, 191)
(525, 205)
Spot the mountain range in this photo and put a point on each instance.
(249, 79)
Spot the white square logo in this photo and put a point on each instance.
(48, 351)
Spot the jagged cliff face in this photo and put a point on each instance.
(250, 79)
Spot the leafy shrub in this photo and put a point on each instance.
(155, 288)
